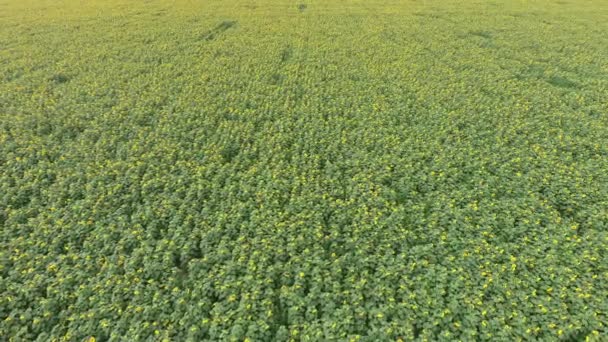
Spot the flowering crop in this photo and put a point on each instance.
(303, 171)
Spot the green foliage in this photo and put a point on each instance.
(372, 171)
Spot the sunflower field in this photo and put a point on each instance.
(269, 170)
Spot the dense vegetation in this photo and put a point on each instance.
(264, 170)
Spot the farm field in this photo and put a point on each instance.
(339, 170)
